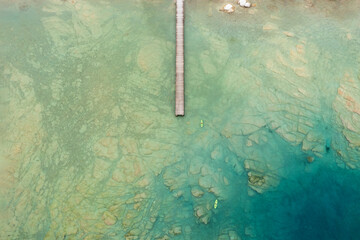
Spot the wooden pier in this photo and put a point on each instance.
(179, 86)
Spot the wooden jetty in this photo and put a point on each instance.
(179, 86)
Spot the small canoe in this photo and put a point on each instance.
(215, 204)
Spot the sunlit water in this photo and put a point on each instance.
(90, 147)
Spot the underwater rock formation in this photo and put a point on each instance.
(92, 151)
(347, 107)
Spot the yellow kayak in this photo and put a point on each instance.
(215, 204)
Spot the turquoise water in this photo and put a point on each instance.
(90, 147)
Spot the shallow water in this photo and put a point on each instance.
(90, 147)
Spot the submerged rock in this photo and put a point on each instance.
(255, 179)
(229, 235)
(176, 230)
(270, 26)
(196, 192)
(166, 237)
(289, 34)
(205, 182)
(347, 107)
(200, 211)
(106, 147)
(205, 219)
(203, 213)
(233, 235)
(109, 219)
(261, 176)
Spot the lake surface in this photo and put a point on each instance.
(90, 147)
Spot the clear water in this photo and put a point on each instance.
(90, 147)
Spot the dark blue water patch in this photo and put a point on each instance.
(321, 204)
(316, 200)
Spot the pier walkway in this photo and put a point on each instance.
(179, 86)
